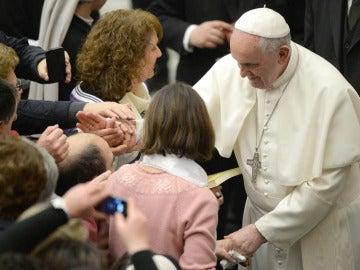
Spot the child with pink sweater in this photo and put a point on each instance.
(168, 186)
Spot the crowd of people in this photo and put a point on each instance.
(269, 87)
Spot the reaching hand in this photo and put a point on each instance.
(119, 134)
(110, 109)
(133, 229)
(55, 142)
(107, 128)
(81, 199)
(225, 249)
(43, 72)
(246, 240)
(222, 250)
(218, 194)
(130, 137)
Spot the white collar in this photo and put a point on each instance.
(89, 21)
(183, 167)
(290, 69)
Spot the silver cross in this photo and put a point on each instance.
(255, 165)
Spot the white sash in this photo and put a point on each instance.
(183, 167)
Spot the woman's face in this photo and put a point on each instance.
(152, 53)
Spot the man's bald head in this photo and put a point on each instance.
(89, 155)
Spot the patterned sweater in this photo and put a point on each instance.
(182, 217)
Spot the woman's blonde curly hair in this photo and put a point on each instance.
(8, 60)
(112, 55)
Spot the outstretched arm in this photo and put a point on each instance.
(26, 234)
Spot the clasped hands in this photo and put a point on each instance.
(244, 241)
(118, 132)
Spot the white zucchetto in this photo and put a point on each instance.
(263, 22)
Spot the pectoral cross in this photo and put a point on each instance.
(255, 165)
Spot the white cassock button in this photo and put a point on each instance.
(266, 128)
(266, 141)
(265, 169)
(266, 194)
(267, 115)
(267, 101)
(279, 262)
(266, 181)
(264, 155)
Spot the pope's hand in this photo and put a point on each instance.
(246, 240)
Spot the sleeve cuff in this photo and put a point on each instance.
(73, 109)
(186, 39)
(59, 203)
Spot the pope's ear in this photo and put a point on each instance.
(284, 53)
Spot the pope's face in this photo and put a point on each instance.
(261, 68)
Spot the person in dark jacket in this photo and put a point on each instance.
(32, 59)
(35, 115)
(332, 30)
(79, 28)
(24, 235)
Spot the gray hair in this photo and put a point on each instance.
(52, 175)
(271, 45)
(52, 172)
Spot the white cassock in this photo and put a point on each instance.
(306, 197)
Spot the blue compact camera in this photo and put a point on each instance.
(111, 205)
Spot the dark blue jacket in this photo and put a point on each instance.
(29, 56)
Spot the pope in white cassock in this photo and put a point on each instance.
(293, 122)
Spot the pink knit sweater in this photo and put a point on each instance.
(182, 216)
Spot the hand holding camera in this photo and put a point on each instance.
(111, 205)
(133, 229)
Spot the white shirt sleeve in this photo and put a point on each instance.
(186, 38)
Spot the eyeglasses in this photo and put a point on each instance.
(19, 85)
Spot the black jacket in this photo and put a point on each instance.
(29, 56)
(74, 39)
(177, 15)
(23, 236)
(34, 116)
(325, 35)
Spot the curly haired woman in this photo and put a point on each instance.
(118, 56)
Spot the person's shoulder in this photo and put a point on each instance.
(198, 193)
(322, 75)
(124, 175)
(78, 25)
(126, 168)
(78, 94)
